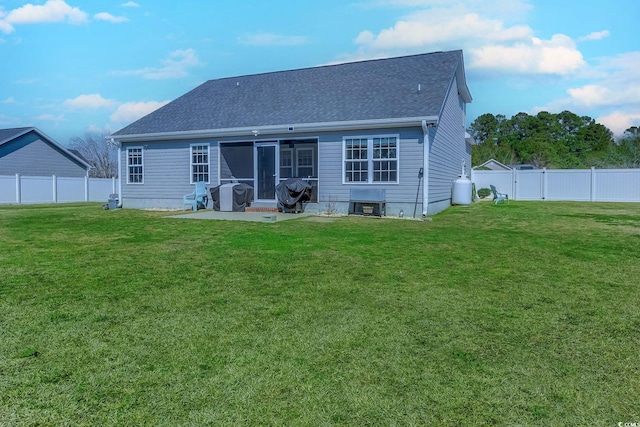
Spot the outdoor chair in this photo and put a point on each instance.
(197, 197)
(498, 197)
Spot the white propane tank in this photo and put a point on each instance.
(461, 194)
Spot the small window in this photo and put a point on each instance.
(286, 163)
(200, 163)
(135, 166)
(305, 162)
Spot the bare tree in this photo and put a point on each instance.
(99, 152)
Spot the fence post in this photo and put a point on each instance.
(86, 188)
(544, 183)
(113, 185)
(514, 183)
(593, 184)
(54, 188)
(18, 189)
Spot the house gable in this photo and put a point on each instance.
(28, 151)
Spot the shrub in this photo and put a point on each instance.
(483, 192)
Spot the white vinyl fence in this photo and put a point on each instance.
(595, 185)
(18, 189)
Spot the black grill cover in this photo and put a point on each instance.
(292, 192)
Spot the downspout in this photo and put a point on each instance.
(425, 181)
(119, 176)
(119, 144)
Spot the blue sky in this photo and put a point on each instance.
(76, 66)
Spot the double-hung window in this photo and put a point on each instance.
(304, 166)
(135, 165)
(199, 163)
(371, 160)
(286, 163)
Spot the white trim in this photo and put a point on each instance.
(191, 164)
(313, 169)
(280, 129)
(370, 160)
(292, 166)
(135, 147)
(425, 168)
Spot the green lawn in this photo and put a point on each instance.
(522, 314)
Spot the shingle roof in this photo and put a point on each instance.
(366, 90)
(9, 134)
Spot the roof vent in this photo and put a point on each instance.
(419, 88)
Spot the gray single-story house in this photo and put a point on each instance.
(396, 125)
(28, 151)
(494, 165)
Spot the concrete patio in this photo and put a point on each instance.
(241, 216)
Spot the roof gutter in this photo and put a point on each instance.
(278, 129)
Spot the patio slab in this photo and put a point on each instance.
(242, 216)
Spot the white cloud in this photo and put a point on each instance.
(492, 38)
(90, 101)
(132, 111)
(555, 56)
(174, 66)
(9, 100)
(619, 121)
(598, 35)
(130, 4)
(613, 92)
(104, 16)
(104, 130)
(51, 118)
(51, 11)
(438, 28)
(513, 9)
(270, 39)
(619, 84)
(5, 27)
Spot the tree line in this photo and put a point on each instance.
(560, 141)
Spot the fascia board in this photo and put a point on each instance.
(278, 129)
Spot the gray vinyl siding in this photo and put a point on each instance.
(410, 160)
(30, 155)
(448, 150)
(166, 173)
(166, 168)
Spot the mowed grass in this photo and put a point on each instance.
(522, 314)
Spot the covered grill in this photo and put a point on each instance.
(233, 197)
(291, 193)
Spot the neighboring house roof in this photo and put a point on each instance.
(376, 90)
(469, 139)
(524, 167)
(493, 164)
(79, 155)
(8, 135)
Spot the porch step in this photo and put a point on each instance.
(261, 209)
